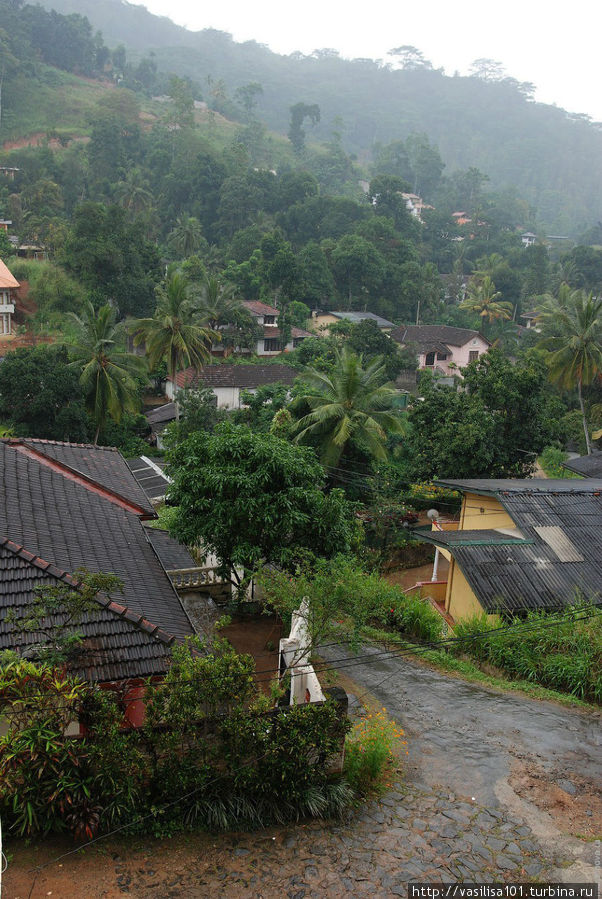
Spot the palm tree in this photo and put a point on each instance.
(174, 333)
(133, 193)
(107, 374)
(575, 345)
(187, 236)
(483, 299)
(352, 404)
(218, 303)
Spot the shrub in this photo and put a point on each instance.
(369, 751)
(340, 591)
(41, 778)
(551, 461)
(562, 651)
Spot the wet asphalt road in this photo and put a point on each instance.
(464, 735)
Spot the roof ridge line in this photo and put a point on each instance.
(109, 604)
(95, 446)
(20, 445)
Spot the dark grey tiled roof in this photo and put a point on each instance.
(154, 484)
(173, 555)
(588, 466)
(161, 414)
(562, 560)
(432, 337)
(103, 464)
(244, 376)
(72, 524)
(117, 644)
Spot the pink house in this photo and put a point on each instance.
(442, 348)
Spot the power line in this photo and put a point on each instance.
(413, 649)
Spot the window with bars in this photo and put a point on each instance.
(271, 345)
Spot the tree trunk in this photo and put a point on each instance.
(585, 427)
(96, 435)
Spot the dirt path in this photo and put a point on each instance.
(471, 806)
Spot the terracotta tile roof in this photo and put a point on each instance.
(245, 376)
(6, 279)
(74, 524)
(429, 337)
(258, 308)
(117, 642)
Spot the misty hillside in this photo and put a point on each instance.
(552, 158)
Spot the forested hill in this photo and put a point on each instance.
(552, 159)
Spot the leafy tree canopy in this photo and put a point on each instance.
(249, 498)
(40, 395)
(493, 428)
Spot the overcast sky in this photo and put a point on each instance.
(556, 46)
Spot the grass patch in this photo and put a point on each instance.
(470, 671)
(551, 461)
(558, 650)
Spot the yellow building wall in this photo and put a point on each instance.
(481, 512)
(321, 323)
(460, 601)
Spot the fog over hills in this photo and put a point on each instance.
(552, 159)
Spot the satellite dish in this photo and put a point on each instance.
(433, 514)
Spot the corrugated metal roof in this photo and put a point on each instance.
(153, 482)
(485, 537)
(357, 317)
(543, 575)
(497, 486)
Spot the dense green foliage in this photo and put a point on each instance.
(40, 395)
(369, 751)
(251, 498)
(341, 592)
(351, 410)
(207, 755)
(495, 427)
(560, 650)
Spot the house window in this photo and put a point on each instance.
(5, 323)
(472, 355)
(429, 359)
(271, 345)
(441, 357)
(269, 319)
(297, 341)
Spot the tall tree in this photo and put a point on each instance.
(351, 405)
(251, 498)
(296, 133)
(107, 374)
(186, 237)
(483, 299)
(174, 333)
(575, 347)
